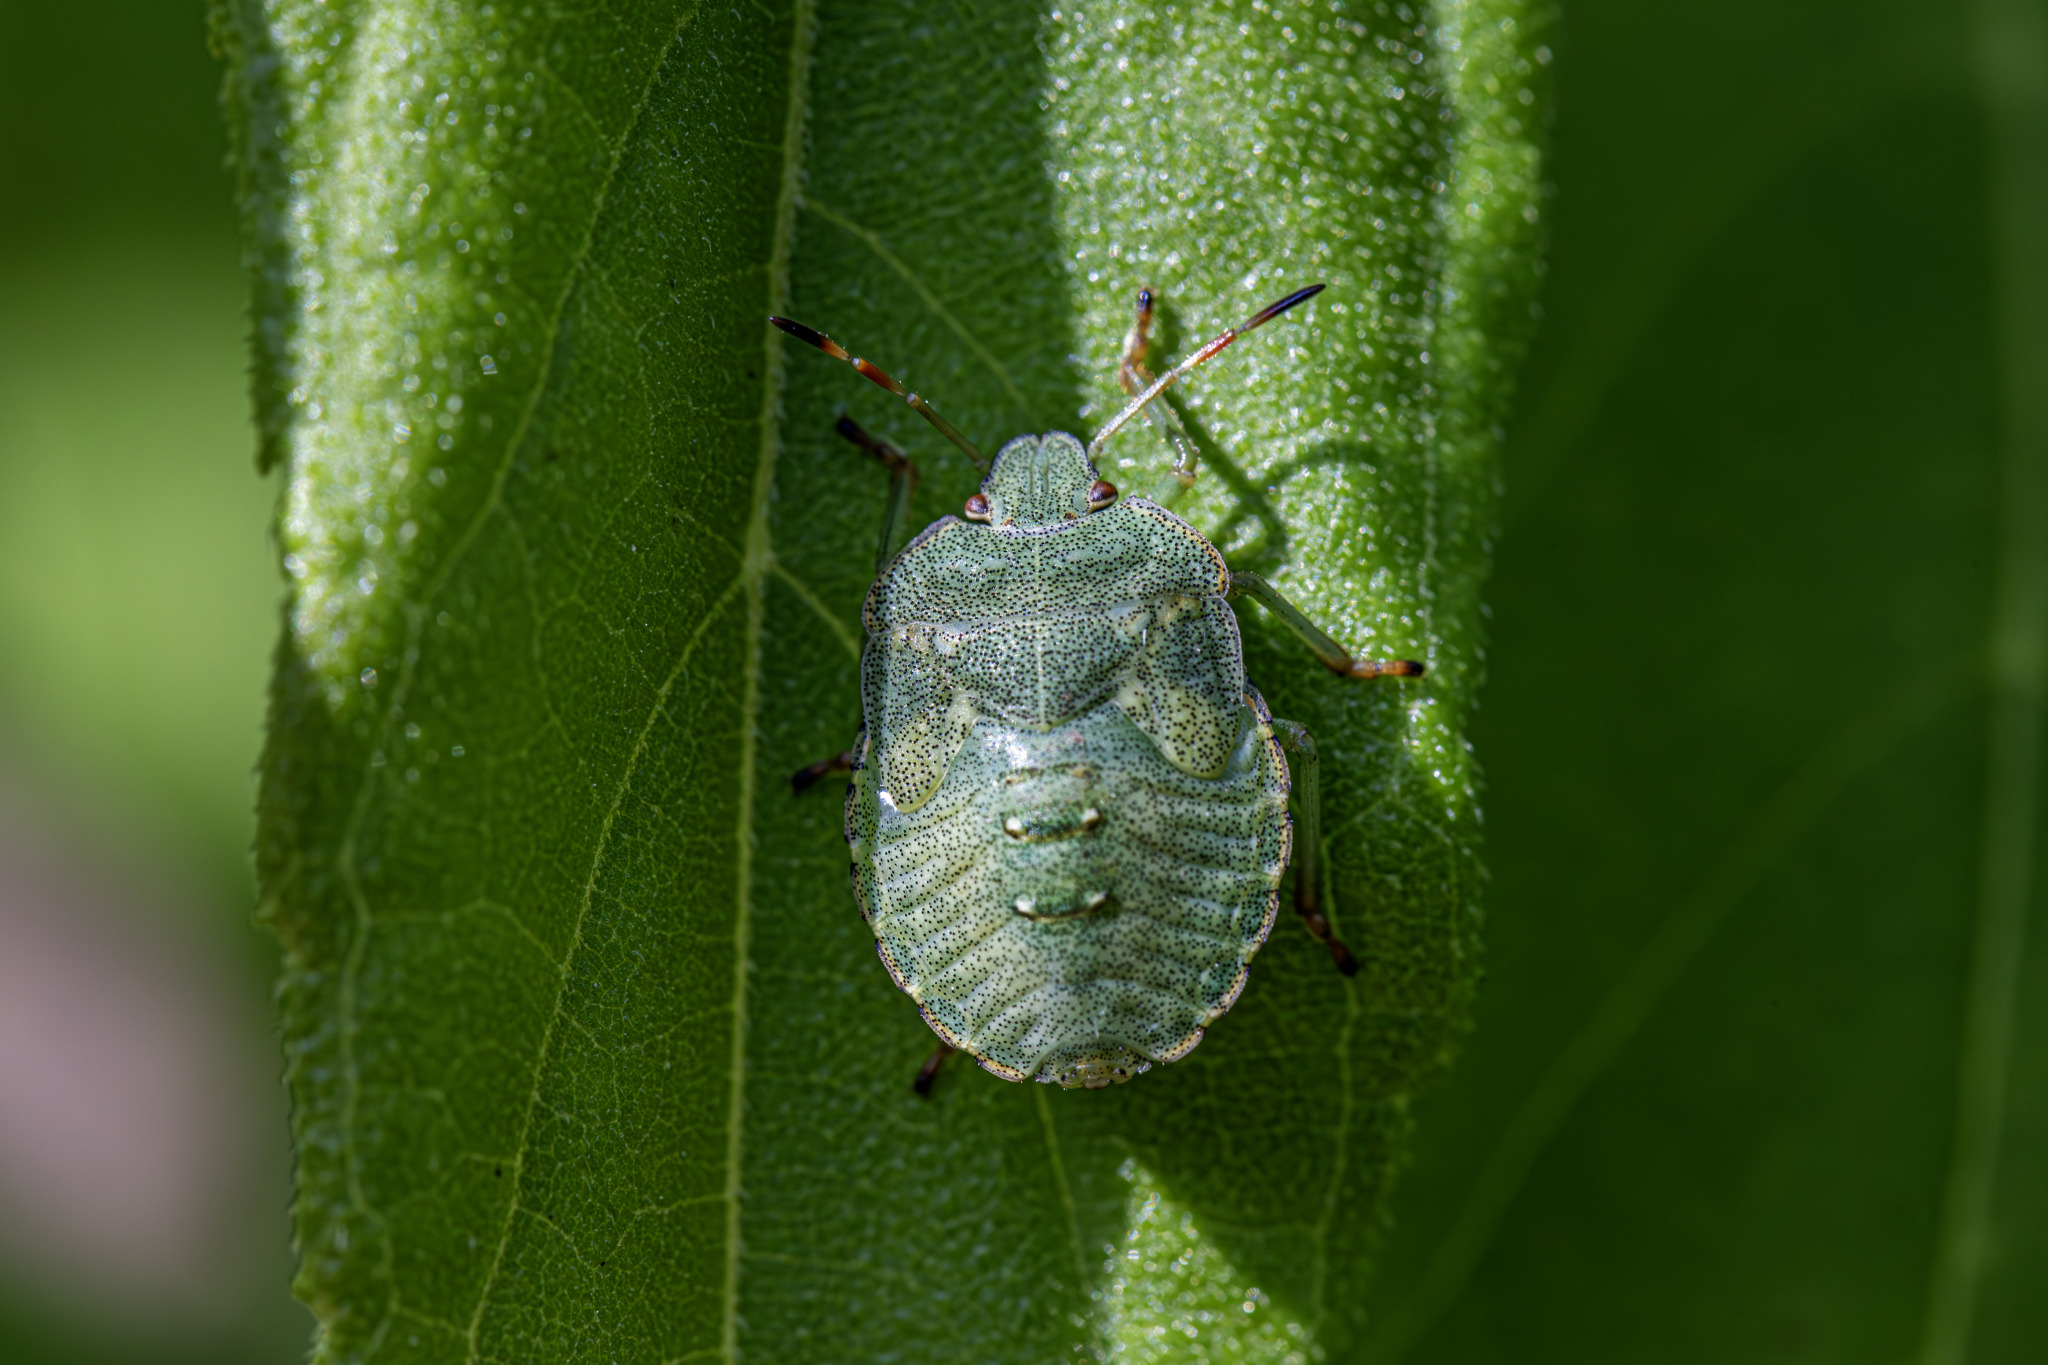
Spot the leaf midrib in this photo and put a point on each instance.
(758, 561)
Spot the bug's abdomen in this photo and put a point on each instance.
(1067, 904)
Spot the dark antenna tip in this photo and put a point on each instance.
(875, 374)
(1275, 309)
(1214, 345)
(803, 333)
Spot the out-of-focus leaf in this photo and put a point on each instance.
(1762, 523)
(134, 598)
(590, 1052)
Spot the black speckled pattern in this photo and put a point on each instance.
(1069, 815)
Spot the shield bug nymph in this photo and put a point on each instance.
(1070, 814)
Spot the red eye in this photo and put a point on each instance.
(977, 508)
(1101, 495)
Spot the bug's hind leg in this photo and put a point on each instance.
(1305, 802)
(1134, 378)
(928, 1074)
(902, 484)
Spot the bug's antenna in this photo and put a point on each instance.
(924, 409)
(1164, 381)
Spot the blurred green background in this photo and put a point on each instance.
(1737, 724)
(1736, 734)
(143, 1176)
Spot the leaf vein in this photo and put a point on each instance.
(930, 300)
(817, 606)
(579, 261)
(1066, 1193)
(521, 1146)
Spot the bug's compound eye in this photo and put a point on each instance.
(977, 508)
(1101, 495)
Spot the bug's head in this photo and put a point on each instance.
(1040, 481)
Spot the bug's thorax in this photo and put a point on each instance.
(1044, 516)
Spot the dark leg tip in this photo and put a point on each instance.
(1381, 668)
(928, 1074)
(803, 779)
(1346, 963)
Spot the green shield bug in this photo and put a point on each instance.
(1070, 813)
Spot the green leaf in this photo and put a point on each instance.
(590, 1053)
(1760, 1065)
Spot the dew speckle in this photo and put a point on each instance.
(1171, 1297)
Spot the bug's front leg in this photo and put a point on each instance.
(1305, 802)
(1333, 655)
(1133, 378)
(902, 484)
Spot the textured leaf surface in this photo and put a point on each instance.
(591, 1056)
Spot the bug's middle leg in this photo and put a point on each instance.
(1305, 801)
(803, 779)
(1333, 655)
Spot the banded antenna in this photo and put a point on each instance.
(1165, 381)
(874, 372)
